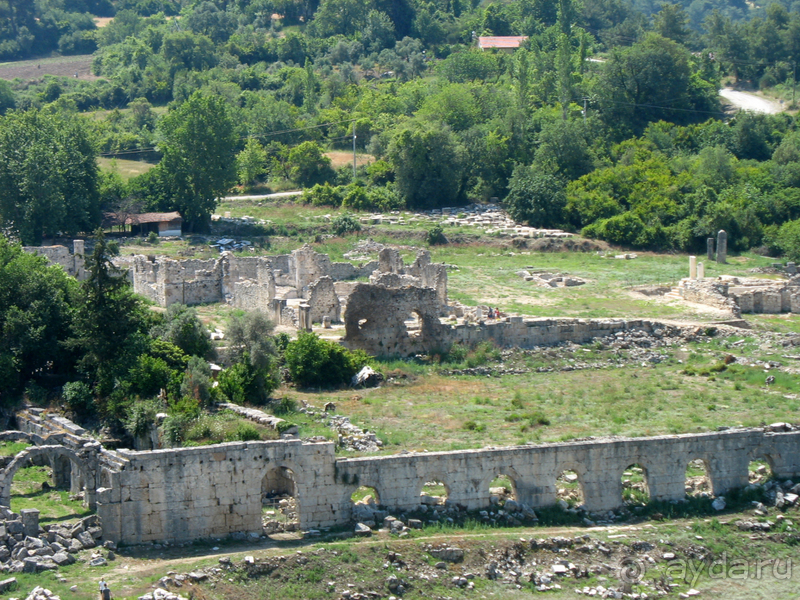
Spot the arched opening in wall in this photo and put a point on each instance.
(414, 325)
(698, 481)
(634, 486)
(569, 490)
(434, 493)
(366, 503)
(279, 501)
(52, 484)
(759, 471)
(504, 504)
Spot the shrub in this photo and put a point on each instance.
(314, 362)
(140, 417)
(323, 195)
(184, 330)
(197, 380)
(344, 224)
(78, 398)
(173, 430)
(237, 383)
(284, 406)
(152, 238)
(245, 432)
(149, 375)
(436, 236)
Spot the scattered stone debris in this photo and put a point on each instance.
(549, 280)
(350, 437)
(260, 417)
(26, 547)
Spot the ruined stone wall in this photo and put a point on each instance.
(72, 262)
(308, 266)
(213, 491)
(379, 321)
(343, 271)
(195, 493)
(247, 281)
(375, 320)
(743, 295)
(323, 301)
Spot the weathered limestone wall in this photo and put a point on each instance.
(380, 321)
(422, 273)
(72, 263)
(375, 320)
(743, 295)
(323, 300)
(213, 491)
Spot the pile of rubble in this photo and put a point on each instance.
(549, 280)
(281, 517)
(349, 436)
(489, 217)
(25, 547)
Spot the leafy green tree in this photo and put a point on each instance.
(429, 164)
(7, 99)
(788, 240)
(48, 175)
(563, 149)
(35, 318)
(535, 197)
(110, 325)
(251, 162)
(197, 382)
(308, 165)
(314, 362)
(199, 163)
(251, 345)
(182, 328)
(671, 22)
(650, 81)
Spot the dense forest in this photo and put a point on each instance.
(606, 120)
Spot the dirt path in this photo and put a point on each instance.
(127, 566)
(751, 102)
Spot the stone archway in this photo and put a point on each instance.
(60, 458)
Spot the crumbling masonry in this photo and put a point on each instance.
(214, 491)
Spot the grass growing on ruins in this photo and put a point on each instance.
(684, 393)
(31, 489)
(12, 448)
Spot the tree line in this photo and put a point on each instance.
(572, 130)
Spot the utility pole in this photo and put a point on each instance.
(584, 109)
(354, 150)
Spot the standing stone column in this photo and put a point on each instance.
(692, 267)
(710, 249)
(722, 246)
(701, 271)
(30, 521)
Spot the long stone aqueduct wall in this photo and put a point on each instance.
(213, 491)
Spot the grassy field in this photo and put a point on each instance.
(126, 168)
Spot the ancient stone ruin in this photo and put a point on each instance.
(741, 295)
(185, 494)
(295, 289)
(71, 262)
